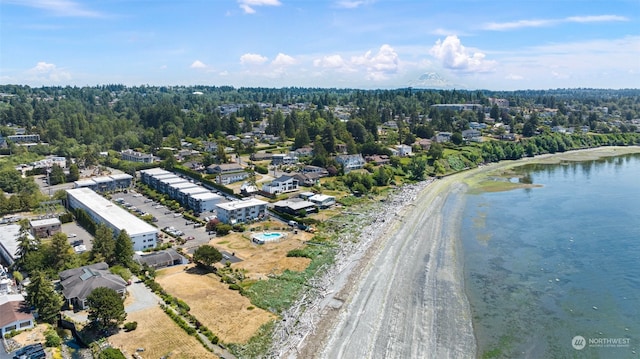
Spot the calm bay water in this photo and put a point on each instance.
(544, 265)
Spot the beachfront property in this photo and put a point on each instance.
(43, 228)
(78, 283)
(322, 200)
(246, 210)
(295, 206)
(142, 234)
(282, 184)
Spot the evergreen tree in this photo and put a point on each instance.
(41, 294)
(27, 245)
(56, 176)
(74, 173)
(302, 138)
(123, 252)
(103, 245)
(61, 255)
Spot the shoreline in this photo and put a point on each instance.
(329, 315)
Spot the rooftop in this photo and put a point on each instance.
(229, 206)
(111, 213)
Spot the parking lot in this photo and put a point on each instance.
(165, 219)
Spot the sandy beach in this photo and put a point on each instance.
(397, 287)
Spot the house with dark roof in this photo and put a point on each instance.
(78, 283)
(224, 168)
(160, 259)
(295, 206)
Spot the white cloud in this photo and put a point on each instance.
(47, 73)
(453, 55)
(253, 59)
(378, 66)
(283, 60)
(331, 62)
(514, 77)
(248, 5)
(595, 18)
(198, 65)
(352, 4)
(58, 7)
(502, 26)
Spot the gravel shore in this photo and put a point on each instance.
(396, 289)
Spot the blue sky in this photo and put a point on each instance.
(497, 44)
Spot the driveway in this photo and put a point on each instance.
(143, 297)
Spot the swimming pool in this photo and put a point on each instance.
(264, 237)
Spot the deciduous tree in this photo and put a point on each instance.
(106, 308)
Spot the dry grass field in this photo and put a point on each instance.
(159, 336)
(259, 260)
(225, 312)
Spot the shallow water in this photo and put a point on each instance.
(544, 265)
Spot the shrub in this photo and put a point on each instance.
(263, 170)
(235, 287)
(130, 326)
(52, 339)
(11, 334)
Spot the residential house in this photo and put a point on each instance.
(160, 259)
(443, 137)
(295, 206)
(322, 200)
(307, 179)
(248, 189)
(282, 159)
(350, 162)
(14, 314)
(315, 169)
(378, 160)
(229, 178)
(261, 156)
(78, 283)
(404, 150)
(224, 168)
(282, 184)
(471, 135)
(303, 152)
(424, 143)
